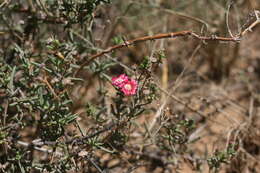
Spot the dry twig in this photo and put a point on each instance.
(155, 37)
(173, 35)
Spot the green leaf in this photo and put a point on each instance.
(11, 82)
(118, 40)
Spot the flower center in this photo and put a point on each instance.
(128, 87)
(119, 80)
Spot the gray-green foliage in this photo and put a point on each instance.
(36, 72)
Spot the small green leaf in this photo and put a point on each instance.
(11, 82)
(118, 40)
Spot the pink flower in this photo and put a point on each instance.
(120, 80)
(129, 87)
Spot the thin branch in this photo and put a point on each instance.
(252, 25)
(45, 81)
(48, 19)
(227, 21)
(5, 3)
(95, 165)
(155, 37)
(25, 144)
(44, 8)
(171, 11)
(80, 140)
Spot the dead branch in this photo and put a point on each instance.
(156, 37)
(173, 35)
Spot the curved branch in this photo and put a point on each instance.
(155, 37)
